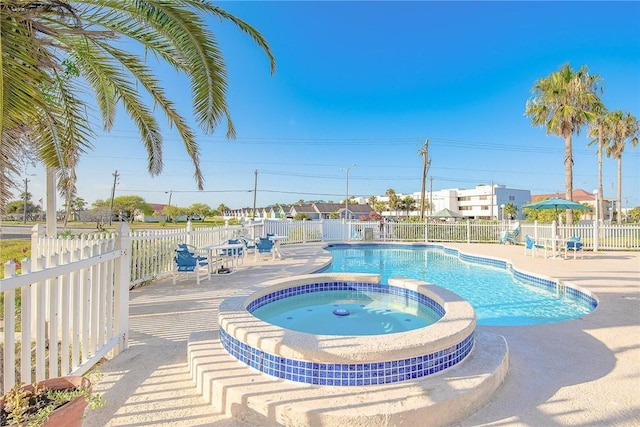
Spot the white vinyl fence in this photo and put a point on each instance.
(68, 307)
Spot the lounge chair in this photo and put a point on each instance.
(574, 244)
(510, 236)
(186, 262)
(531, 246)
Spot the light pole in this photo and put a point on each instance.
(346, 201)
(502, 211)
(26, 189)
(170, 192)
(596, 231)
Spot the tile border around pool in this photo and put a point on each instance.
(564, 290)
(411, 354)
(347, 374)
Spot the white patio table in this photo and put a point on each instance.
(276, 244)
(225, 252)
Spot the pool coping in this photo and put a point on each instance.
(348, 360)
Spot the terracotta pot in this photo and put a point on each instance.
(70, 414)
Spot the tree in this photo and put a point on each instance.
(511, 210)
(394, 200)
(173, 212)
(563, 102)
(379, 206)
(201, 209)
(302, 216)
(620, 128)
(407, 204)
(222, 208)
(596, 129)
(129, 205)
(53, 49)
(634, 214)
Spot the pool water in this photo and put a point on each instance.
(497, 298)
(342, 312)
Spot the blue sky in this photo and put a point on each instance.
(367, 83)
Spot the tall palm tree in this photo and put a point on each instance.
(394, 200)
(596, 129)
(563, 102)
(53, 52)
(621, 128)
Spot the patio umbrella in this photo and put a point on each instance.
(557, 203)
(446, 213)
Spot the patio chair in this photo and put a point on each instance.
(185, 262)
(574, 244)
(264, 245)
(531, 246)
(191, 249)
(249, 245)
(510, 236)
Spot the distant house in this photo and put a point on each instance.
(312, 210)
(156, 207)
(305, 209)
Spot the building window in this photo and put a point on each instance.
(512, 198)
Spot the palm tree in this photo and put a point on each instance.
(563, 102)
(408, 204)
(55, 51)
(394, 200)
(620, 128)
(511, 210)
(596, 129)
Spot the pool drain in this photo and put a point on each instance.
(341, 312)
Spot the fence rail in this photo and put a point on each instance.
(74, 292)
(67, 308)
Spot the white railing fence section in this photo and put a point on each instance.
(67, 309)
(74, 290)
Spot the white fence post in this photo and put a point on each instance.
(189, 229)
(596, 235)
(9, 330)
(121, 291)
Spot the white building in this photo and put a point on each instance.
(482, 202)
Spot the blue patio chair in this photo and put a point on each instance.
(531, 246)
(249, 245)
(185, 262)
(574, 244)
(234, 252)
(264, 245)
(510, 236)
(191, 249)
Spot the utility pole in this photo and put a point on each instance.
(255, 190)
(26, 189)
(113, 193)
(426, 162)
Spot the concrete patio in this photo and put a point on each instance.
(578, 373)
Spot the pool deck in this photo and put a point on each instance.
(584, 372)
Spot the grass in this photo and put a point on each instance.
(14, 249)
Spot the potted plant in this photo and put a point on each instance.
(49, 403)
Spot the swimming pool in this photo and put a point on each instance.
(340, 309)
(499, 294)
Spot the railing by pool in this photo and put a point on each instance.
(74, 290)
